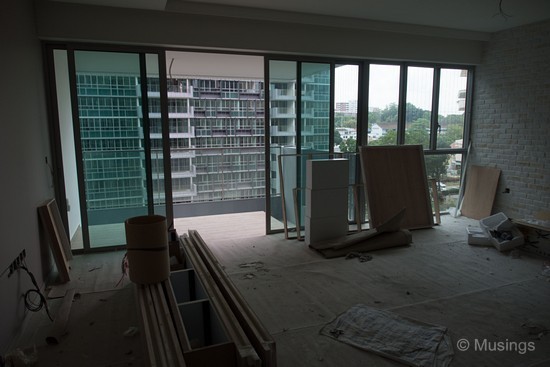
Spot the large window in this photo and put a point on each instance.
(212, 121)
(383, 104)
(422, 105)
(418, 111)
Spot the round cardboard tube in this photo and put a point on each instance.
(147, 245)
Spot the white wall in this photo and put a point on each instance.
(511, 118)
(25, 179)
(66, 132)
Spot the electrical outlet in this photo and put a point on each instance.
(16, 264)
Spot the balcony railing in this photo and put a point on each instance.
(220, 173)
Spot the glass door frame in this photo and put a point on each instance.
(361, 117)
(55, 133)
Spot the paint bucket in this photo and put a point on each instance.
(147, 245)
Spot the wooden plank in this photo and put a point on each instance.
(148, 330)
(481, 187)
(295, 192)
(219, 355)
(51, 220)
(384, 240)
(258, 335)
(60, 322)
(169, 336)
(282, 184)
(176, 316)
(435, 198)
(392, 225)
(155, 329)
(395, 178)
(246, 353)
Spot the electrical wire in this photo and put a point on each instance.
(29, 303)
(124, 268)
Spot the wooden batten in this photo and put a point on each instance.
(59, 242)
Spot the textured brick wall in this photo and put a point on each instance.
(511, 117)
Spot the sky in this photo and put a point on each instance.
(384, 84)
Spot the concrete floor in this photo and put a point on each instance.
(477, 293)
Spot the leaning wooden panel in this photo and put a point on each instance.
(259, 336)
(50, 218)
(395, 178)
(481, 187)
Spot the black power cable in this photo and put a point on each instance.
(42, 302)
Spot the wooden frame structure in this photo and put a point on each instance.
(198, 318)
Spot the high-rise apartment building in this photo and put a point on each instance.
(216, 130)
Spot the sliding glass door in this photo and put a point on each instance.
(299, 128)
(111, 141)
(110, 119)
(119, 141)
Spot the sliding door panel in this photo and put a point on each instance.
(283, 144)
(112, 146)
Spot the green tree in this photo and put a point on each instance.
(348, 146)
(390, 138)
(389, 114)
(452, 133)
(414, 113)
(374, 117)
(417, 132)
(337, 138)
(344, 120)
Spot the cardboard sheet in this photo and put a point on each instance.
(481, 187)
(395, 178)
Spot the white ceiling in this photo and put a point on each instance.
(472, 15)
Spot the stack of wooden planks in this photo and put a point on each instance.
(198, 318)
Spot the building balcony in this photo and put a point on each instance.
(192, 172)
(281, 112)
(275, 131)
(282, 94)
(176, 135)
(179, 194)
(182, 153)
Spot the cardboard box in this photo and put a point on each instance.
(327, 203)
(478, 237)
(503, 234)
(327, 173)
(327, 228)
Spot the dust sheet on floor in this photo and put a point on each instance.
(393, 336)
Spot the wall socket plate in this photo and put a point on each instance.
(17, 262)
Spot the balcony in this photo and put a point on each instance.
(282, 112)
(277, 131)
(282, 94)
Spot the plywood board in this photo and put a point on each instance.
(395, 178)
(59, 242)
(481, 187)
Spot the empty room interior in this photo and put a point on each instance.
(252, 183)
